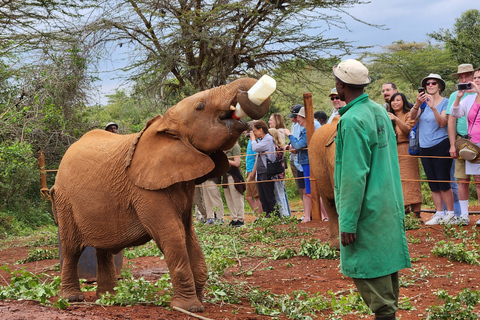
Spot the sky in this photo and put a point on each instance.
(408, 20)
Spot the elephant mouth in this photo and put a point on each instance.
(227, 117)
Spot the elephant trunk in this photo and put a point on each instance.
(256, 101)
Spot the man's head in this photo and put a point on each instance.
(351, 77)
(294, 112)
(464, 73)
(301, 117)
(112, 127)
(388, 89)
(337, 103)
(321, 117)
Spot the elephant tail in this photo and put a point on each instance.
(54, 210)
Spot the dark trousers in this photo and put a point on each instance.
(437, 168)
(266, 193)
(380, 294)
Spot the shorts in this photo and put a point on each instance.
(252, 190)
(460, 170)
(306, 173)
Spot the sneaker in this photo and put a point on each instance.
(209, 221)
(478, 222)
(436, 219)
(233, 223)
(240, 223)
(449, 218)
(219, 221)
(463, 221)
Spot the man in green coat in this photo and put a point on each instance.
(368, 194)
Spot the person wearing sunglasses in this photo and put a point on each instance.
(431, 111)
(337, 104)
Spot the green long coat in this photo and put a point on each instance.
(368, 191)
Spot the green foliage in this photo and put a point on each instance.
(452, 232)
(457, 252)
(150, 249)
(412, 222)
(463, 41)
(455, 308)
(26, 285)
(283, 254)
(131, 291)
(317, 250)
(351, 303)
(406, 64)
(40, 254)
(17, 171)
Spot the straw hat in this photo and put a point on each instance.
(352, 72)
(468, 150)
(463, 68)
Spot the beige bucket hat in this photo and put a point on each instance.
(463, 68)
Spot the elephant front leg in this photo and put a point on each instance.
(106, 276)
(178, 262)
(197, 262)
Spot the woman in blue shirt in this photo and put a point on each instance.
(431, 110)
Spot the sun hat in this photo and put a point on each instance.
(463, 68)
(333, 92)
(468, 150)
(352, 72)
(433, 76)
(295, 109)
(111, 124)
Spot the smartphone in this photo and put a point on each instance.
(421, 90)
(464, 86)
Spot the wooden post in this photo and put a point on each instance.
(43, 175)
(308, 103)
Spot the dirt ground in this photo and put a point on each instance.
(301, 273)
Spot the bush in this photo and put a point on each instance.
(21, 208)
(17, 171)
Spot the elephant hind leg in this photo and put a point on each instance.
(329, 205)
(70, 284)
(106, 275)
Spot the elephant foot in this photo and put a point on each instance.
(192, 305)
(103, 290)
(334, 243)
(72, 296)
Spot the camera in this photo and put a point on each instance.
(248, 135)
(464, 86)
(421, 90)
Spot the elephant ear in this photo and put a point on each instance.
(158, 159)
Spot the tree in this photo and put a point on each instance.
(406, 64)
(205, 43)
(463, 41)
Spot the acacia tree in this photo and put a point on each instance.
(200, 44)
(463, 41)
(406, 64)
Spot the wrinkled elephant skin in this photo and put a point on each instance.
(114, 191)
(321, 150)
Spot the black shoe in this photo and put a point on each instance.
(233, 223)
(389, 317)
(240, 223)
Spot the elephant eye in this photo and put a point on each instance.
(199, 106)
